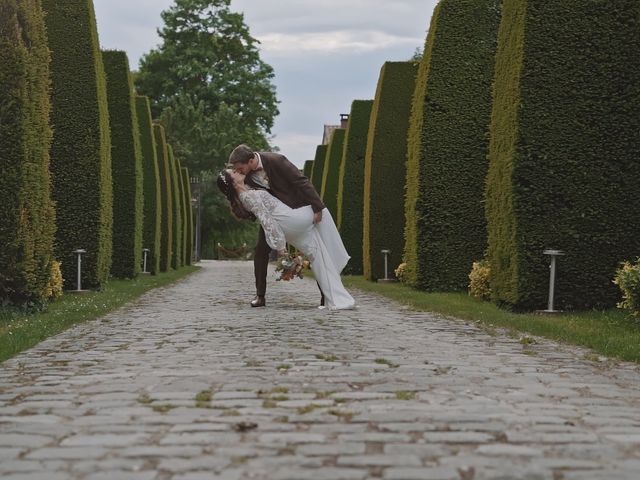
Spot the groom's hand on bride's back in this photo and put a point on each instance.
(317, 217)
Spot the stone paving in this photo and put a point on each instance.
(190, 383)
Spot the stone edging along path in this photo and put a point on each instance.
(189, 382)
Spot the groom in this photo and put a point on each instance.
(276, 174)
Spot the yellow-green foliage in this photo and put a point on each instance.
(351, 183)
(565, 135)
(151, 186)
(81, 148)
(401, 272)
(330, 175)
(188, 220)
(628, 279)
(176, 246)
(308, 168)
(479, 286)
(126, 163)
(318, 167)
(27, 218)
(54, 288)
(166, 198)
(385, 168)
(448, 145)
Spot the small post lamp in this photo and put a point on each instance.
(386, 278)
(79, 252)
(552, 277)
(145, 253)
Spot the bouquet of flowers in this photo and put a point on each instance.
(289, 267)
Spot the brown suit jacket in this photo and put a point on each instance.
(287, 183)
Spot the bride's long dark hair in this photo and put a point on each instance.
(227, 187)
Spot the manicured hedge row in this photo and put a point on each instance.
(565, 137)
(151, 186)
(318, 167)
(351, 183)
(188, 220)
(81, 148)
(183, 212)
(166, 198)
(126, 164)
(447, 164)
(385, 168)
(330, 176)
(308, 167)
(176, 246)
(27, 217)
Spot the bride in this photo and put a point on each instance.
(321, 242)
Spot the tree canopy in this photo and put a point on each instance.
(207, 83)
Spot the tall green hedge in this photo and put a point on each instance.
(351, 183)
(151, 186)
(126, 164)
(27, 217)
(183, 213)
(447, 163)
(81, 148)
(385, 168)
(565, 137)
(176, 246)
(318, 167)
(188, 222)
(166, 198)
(330, 176)
(308, 168)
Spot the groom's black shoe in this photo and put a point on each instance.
(258, 301)
(321, 295)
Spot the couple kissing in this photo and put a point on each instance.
(268, 187)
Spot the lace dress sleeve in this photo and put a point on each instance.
(252, 201)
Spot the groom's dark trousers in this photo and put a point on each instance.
(261, 263)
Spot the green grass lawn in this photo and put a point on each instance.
(611, 332)
(20, 331)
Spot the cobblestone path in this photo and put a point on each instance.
(191, 383)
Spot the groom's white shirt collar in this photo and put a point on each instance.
(259, 161)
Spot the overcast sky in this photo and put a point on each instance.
(325, 54)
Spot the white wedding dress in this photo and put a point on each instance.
(321, 243)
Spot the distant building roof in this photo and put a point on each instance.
(328, 129)
(326, 136)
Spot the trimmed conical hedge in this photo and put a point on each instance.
(166, 198)
(565, 137)
(188, 245)
(183, 213)
(126, 164)
(307, 169)
(318, 167)
(81, 148)
(27, 218)
(151, 186)
(385, 168)
(176, 246)
(351, 183)
(330, 176)
(447, 163)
